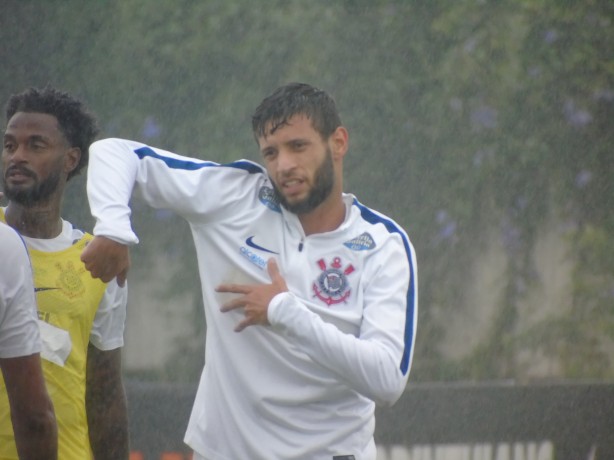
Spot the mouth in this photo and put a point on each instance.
(18, 175)
(292, 186)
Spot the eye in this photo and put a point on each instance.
(299, 145)
(8, 145)
(269, 154)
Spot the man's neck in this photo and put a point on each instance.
(324, 219)
(34, 222)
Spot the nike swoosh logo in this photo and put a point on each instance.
(251, 244)
(44, 289)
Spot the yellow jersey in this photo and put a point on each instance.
(68, 298)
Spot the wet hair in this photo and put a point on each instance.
(296, 99)
(76, 123)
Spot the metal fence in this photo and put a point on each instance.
(485, 421)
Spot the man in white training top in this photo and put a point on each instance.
(33, 420)
(310, 297)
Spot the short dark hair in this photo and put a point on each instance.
(296, 99)
(77, 124)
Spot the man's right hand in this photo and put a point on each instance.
(107, 259)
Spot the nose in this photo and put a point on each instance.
(17, 155)
(285, 161)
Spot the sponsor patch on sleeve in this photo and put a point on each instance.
(362, 242)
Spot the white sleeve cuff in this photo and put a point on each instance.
(278, 305)
(127, 237)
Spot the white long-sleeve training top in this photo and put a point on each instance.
(339, 341)
(19, 334)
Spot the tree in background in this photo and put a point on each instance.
(468, 119)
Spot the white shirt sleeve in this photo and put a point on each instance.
(190, 187)
(110, 179)
(369, 363)
(19, 334)
(108, 328)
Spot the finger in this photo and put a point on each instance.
(85, 257)
(105, 278)
(102, 273)
(233, 288)
(275, 274)
(94, 272)
(242, 325)
(232, 305)
(121, 278)
(273, 269)
(89, 263)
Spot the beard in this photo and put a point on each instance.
(324, 179)
(40, 191)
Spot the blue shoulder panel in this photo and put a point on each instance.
(175, 163)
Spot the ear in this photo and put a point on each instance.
(71, 160)
(339, 142)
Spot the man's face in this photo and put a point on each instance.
(300, 165)
(35, 158)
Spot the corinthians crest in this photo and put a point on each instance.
(69, 279)
(332, 285)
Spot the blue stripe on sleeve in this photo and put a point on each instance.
(373, 218)
(188, 165)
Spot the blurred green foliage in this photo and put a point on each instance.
(466, 118)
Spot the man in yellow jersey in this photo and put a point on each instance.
(81, 319)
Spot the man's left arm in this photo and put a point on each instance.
(105, 401)
(376, 363)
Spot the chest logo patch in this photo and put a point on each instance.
(69, 280)
(332, 285)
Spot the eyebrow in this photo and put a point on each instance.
(38, 137)
(32, 137)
